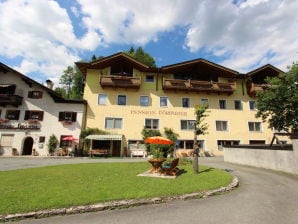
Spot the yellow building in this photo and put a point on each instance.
(124, 96)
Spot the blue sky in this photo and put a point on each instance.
(40, 38)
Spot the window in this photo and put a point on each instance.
(238, 105)
(6, 140)
(252, 105)
(185, 102)
(205, 102)
(222, 104)
(187, 124)
(42, 139)
(221, 125)
(144, 101)
(225, 143)
(254, 126)
(113, 123)
(163, 101)
(12, 114)
(35, 94)
(102, 99)
(121, 100)
(33, 115)
(151, 123)
(149, 78)
(68, 116)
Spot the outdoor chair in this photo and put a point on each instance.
(172, 169)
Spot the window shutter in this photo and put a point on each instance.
(61, 116)
(74, 116)
(30, 94)
(27, 113)
(40, 116)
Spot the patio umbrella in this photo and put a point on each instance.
(158, 140)
(69, 138)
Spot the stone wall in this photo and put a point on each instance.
(281, 159)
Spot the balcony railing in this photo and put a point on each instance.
(120, 82)
(253, 88)
(199, 86)
(8, 99)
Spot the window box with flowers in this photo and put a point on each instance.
(33, 121)
(4, 120)
(67, 122)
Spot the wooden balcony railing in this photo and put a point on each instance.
(120, 82)
(9, 99)
(253, 88)
(199, 86)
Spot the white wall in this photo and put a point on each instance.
(281, 160)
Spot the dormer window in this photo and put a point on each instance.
(35, 94)
(68, 116)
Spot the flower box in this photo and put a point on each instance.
(4, 120)
(33, 121)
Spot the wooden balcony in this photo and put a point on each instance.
(120, 82)
(253, 88)
(9, 99)
(199, 86)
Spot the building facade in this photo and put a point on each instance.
(124, 96)
(30, 113)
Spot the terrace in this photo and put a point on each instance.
(120, 81)
(198, 86)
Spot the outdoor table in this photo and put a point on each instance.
(156, 164)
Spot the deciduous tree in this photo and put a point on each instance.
(278, 104)
(200, 128)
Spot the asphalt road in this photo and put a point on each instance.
(263, 197)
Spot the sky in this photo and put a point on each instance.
(40, 38)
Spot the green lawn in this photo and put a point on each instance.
(81, 184)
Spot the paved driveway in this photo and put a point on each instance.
(263, 197)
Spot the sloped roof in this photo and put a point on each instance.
(200, 65)
(270, 70)
(56, 97)
(110, 60)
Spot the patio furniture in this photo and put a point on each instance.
(172, 169)
(156, 164)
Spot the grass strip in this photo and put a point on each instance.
(82, 184)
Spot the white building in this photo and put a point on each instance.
(31, 112)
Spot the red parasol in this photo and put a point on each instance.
(69, 138)
(158, 140)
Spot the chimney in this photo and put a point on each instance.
(50, 84)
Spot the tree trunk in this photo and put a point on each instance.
(196, 154)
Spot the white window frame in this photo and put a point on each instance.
(104, 99)
(166, 102)
(114, 125)
(189, 125)
(240, 103)
(188, 102)
(254, 105)
(7, 140)
(225, 104)
(122, 95)
(144, 105)
(254, 127)
(221, 126)
(152, 124)
(205, 101)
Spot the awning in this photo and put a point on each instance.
(104, 137)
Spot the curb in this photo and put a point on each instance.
(118, 204)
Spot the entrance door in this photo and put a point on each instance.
(116, 150)
(27, 147)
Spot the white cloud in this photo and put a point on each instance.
(247, 33)
(243, 33)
